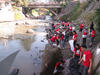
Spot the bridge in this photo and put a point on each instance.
(44, 5)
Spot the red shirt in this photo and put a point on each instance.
(66, 24)
(53, 38)
(81, 26)
(77, 52)
(74, 36)
(84, 32)
(59, 63)
(63, 23)
(70, 28)
(57, 24)
(93, 33)
(62, 37)
(86, 58)
(57, 30)
(54, 26)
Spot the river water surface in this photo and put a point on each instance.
(28, 60)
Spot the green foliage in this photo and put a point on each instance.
(88, 17)
(25, 3)
(63, 4)
(21, 2)
(64, 18)
(97, 19)
(76, 12)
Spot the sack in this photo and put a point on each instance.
(71, 43)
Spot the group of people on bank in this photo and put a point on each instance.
(61, 32)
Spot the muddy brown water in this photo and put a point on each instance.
(28, 60)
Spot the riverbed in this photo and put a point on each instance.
(28, 60)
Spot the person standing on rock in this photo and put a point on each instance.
(86, 60)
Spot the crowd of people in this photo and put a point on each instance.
(59, 35)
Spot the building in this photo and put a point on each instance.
(5, 0)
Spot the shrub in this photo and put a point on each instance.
(97, 19)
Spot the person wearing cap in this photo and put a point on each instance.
(86, 60)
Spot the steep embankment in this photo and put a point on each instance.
(66, 10)
(87, 14)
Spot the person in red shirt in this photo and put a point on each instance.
(86, 61)
(59, 65)
(77, 52)
(54, 26)
(92, 36)
(62, 43)
(63, 23)
(57, 24)
(84, 36)
(81, 27)
(53, 39)
(74, 37)
(57, 30)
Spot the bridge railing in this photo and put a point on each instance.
(39, 3)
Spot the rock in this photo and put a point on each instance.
(16, 24)
(42, 40)
(30, 31)
(50, 57)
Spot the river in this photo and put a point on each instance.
(28, 60)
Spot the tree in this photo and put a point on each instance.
(21, 2)
(97, 19)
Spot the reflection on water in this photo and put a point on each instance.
(27, 42)
(28, 59)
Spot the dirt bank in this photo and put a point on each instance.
(50, 57)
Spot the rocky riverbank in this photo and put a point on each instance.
(24, 27)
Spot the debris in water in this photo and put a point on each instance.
(42, 40)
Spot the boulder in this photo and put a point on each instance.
(30, 31)
(50, 57)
